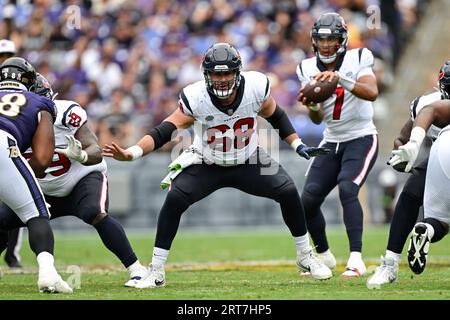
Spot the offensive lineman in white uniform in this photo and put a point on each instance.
(224, 116)
(350, 134)
(436, 201)
(75, 183)
(411, 198)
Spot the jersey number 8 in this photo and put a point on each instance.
(10, 104)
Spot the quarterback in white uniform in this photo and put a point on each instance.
(350, 134)
(411, 198)
(75, 183)
(436, 202)
(223, 110)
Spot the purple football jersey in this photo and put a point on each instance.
(19, 114)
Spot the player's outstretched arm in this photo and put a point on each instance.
(157, 137)
(43, 145)
(279, 120)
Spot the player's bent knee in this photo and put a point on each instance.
(98, 217)
(177, 197)
(287, 192)
(312, 196)
(348, 191)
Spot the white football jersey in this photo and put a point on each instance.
(63, 173)
(347, 117)
(418, 103)
(226, 138)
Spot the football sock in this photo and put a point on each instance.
(393, 255)
(302, 243)
(159, 257)
(114, 238)
(437, 230)
(46, 261)
(405, 216)
(40, 235)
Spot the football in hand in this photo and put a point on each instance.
(319, 91)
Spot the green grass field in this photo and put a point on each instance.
(227, 265)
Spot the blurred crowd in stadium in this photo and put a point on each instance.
(126, 61)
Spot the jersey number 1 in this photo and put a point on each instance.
(338, 104)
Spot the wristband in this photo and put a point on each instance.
(84, 156)
(417, 135)
(346, 82)
(136, 152)
(296, 143)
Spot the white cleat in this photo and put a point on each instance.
(307, 261)
(53, 283)
(327, 258)
(355, 268)
(156, 278)
(136, 275)
(387, 272)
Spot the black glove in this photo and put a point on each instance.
(307, 152)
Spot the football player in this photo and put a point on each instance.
(350, 133)
(12, 256)
(75, 183)
(411, 198)
(436, 202)
(224, 115)
(26, 120)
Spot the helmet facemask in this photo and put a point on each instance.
(222, 89)
(339, 49)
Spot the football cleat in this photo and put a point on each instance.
(419, 244)
(327, 258)
(136, 274)
(155, 278)
(355, 268)
(52, 283)
(387, 272)
(307, 261)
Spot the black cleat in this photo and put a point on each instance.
(419, 244)
(12, 262)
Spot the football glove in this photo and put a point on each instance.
(406, 153)
(74, 150)
(307, 152)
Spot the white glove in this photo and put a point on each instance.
(408, 152)
(74, 150)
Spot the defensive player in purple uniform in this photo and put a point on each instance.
(26, 119)
(75, 183)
